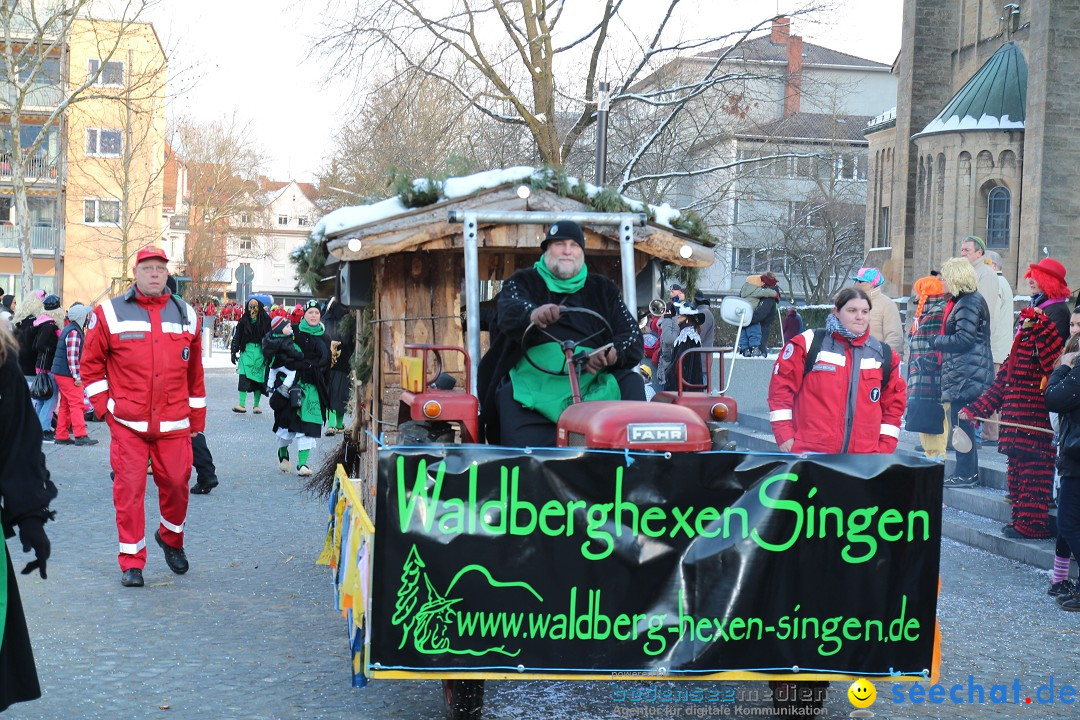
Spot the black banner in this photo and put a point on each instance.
(559, 562)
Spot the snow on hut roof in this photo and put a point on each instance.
(350, 218)
(995, 98)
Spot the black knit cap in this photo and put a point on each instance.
(564, 230)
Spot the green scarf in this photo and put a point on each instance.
(548, 394)
(557, 284)
(315, 330)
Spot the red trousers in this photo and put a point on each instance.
(69, 409)
(170, 456)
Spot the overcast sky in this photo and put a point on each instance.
(251, 56)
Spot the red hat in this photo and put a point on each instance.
(277, 322)
(151, 252)
(1050, 266)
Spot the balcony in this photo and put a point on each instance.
(40, 169)
(39, 97)
(43, 240)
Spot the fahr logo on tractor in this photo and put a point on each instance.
(656, 432)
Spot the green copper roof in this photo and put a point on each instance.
(994, 98)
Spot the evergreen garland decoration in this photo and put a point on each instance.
(693, 225)
(417, 193)
(362, 359)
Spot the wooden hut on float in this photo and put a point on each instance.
(407, 268)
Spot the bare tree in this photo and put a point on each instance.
(519, 70)
(413, 125)
(821, 244)
(36, 35)
(223, 170)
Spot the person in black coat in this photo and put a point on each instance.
(341, 329)
(967, 365)
(246, 354)
(304, 423)
(1063, 398)
(689, 338)
(538, 296)
(25, 493)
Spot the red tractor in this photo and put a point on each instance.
(691, 419)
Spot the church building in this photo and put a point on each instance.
(984, 140)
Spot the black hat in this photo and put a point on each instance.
(564, 230)
(313, 304)
(52, 302)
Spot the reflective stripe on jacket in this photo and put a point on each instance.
(831, 409)
(143, 364)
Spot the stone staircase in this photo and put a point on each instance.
(972, 516)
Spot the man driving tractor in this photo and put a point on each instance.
(522, 396)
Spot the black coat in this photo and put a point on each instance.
(1063, 398)
(45, 336)
(522, 293)
(25, 332)
(967, 366)
(25, 490)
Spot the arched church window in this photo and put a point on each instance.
(998, 204)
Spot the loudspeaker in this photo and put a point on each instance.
(649, 284)
(354, 284)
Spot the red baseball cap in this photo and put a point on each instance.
(149, 252)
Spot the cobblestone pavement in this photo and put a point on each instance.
(250, 631)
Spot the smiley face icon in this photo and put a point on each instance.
(862, 693)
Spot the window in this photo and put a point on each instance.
(245, 218)
(111, 75)
(997, 217)
(5, 209)
(303, 221)
(245, 244)
(807, 212)
(97, 211)
(735, 212)
(282, 219)
(847, 167)
(104, 143)
(806, 167)
(883, 228)
(741, 258)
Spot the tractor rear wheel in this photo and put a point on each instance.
(464, 699)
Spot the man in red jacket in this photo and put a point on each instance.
(142, 367)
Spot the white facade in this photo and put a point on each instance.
(288, 214)
(792, 98)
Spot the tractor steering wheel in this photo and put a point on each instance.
(606, 334)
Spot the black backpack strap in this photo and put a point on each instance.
(886, 365)
(813, 350)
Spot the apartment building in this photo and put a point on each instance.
(94, 186)
(27, 100)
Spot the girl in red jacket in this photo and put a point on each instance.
(841, 403)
